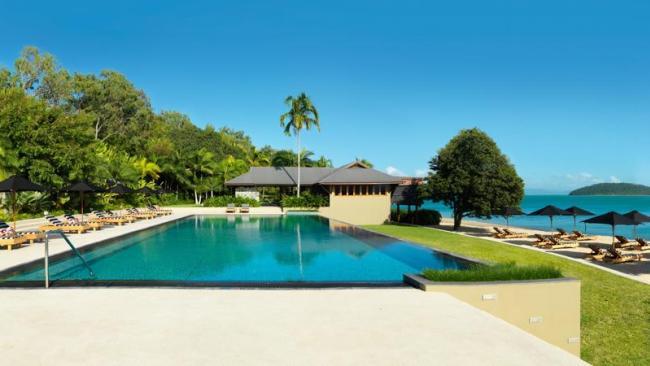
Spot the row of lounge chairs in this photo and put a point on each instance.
(554, 242)
(244, 209)
(70, 224)
(611, 255)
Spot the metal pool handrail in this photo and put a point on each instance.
(47, 255)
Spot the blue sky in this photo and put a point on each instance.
(562, 86)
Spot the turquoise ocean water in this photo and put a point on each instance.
(595, 204)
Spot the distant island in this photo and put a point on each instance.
(612, 189)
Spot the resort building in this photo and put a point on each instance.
(357, 193)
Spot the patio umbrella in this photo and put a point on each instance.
(82, 187)
(611, 218)
(577, 211)
(638, 218)
(550, 211)
(16, 184)
(508, 212)
(119, 189)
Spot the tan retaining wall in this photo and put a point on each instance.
(548, 309)
(358, 210)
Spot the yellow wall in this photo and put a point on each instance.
(548, 309)
(358, 210)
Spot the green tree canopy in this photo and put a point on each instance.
(473, 177)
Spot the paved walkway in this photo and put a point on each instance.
(95, 326)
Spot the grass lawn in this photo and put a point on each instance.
(615, 321)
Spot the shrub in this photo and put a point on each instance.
(306, 200)
(223, 201)
(499, 272)
(419, 217)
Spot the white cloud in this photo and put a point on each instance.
(614, 179)
(421, 172)
(394, 171)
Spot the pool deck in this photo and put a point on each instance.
(126, 326)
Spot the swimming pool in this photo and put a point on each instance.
(214, 250)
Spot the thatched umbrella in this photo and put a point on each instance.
(577, 211)
(82, 187)
(550, 211)
(613, 219)
(638, 219)
(16, 184)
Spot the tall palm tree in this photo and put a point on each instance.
(302, 114)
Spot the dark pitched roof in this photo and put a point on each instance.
(353, 173)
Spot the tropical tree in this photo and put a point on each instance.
(365, 162)
(201, 165)
(323, 162)
(302, 114)
(473, 177)
(229, 168)
(146, 169)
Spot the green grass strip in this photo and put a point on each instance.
(498, 272)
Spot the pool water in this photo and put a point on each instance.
(274, 249)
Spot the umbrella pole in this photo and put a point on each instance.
(13, 208)
(613, 236)
(82, 207)
(574, 222)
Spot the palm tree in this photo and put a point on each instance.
(202, 164)
(302, 114)
(146, 169)
(323, 162)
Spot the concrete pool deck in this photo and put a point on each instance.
(118, 326)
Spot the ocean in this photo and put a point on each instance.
(595, 204)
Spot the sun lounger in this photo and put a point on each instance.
(106, 218)
(555, 243)
(231, 208)
(582, 237)
(597, 253)
(56, 224)
(245, 208)
(162, 211)
(134, 212)
(640, 244)
(561, 233)
(513, 235)
(29, 235)
(623, 242)
(94, 225)
(12, 240)
(615, 256)
(540, 240)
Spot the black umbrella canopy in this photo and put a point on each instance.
(550, 211)
(119, 189)
(19, 183)
(638, 218)
(82, 186)
(577, 211)
(15, 184)
(611, 218)
(509, 211)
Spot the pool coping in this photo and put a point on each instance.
(7, 272)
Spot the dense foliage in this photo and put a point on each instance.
(59, 127)
(498, 272)
(223, 201)
(419, 217)
(612, 189)
(306, 200)
(473, 177)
